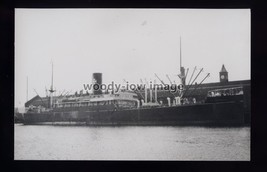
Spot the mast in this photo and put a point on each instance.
(180, 55)
(52, 76)
(27, 88)
(51, 89)
(182, 70)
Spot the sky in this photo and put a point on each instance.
(130, 44)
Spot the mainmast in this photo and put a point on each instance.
(180, 55)
(182, 70)
(27, 89)
(51, 88)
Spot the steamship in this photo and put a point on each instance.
(126, 107)
(221, 104)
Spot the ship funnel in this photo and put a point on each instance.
(97, 82)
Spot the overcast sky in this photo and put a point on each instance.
(130, 44)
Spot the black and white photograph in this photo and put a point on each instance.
(132, 84)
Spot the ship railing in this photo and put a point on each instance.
(226, 92)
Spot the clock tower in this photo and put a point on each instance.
(223, 75)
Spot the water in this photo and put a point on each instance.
(130, 143)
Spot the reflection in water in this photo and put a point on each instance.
(131, 143)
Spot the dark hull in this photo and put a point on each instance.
(230, 113)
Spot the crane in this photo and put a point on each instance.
(169, 78)
(159, 79)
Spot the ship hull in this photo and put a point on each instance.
(230, 113)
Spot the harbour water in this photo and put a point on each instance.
(46, 142)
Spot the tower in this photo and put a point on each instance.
(223, 75)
